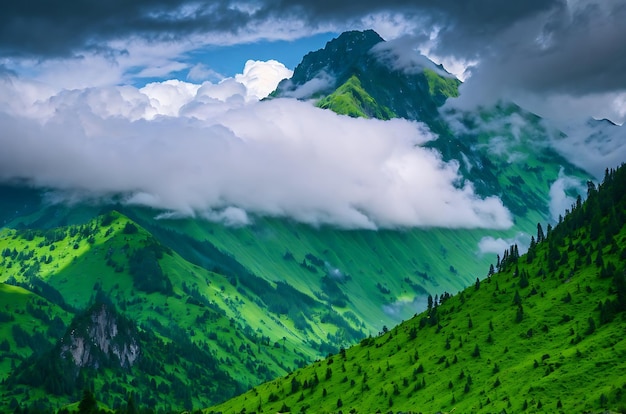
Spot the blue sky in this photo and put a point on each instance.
(228, 60)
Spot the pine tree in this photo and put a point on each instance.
(523, 281)
(88, 404)
(130, 405)
(540, 235)
(519, 316)
(476, 352)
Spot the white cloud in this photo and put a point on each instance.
(260, 78)
(210, 150)
(559, 198)
(402, 54)
(490, 244)
(200, 72)
(592, 145)
(168, 97)
(321, 82)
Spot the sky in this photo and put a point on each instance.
(158, 100)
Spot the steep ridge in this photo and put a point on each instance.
(542, 333)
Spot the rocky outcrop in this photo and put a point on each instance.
(101, 338)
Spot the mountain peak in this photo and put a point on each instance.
(354, 40)
(334, 64)
(414, 88)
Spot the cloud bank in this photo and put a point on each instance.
(594, 145)
(214, 150)
(565, 59)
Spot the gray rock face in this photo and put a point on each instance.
(101, 340)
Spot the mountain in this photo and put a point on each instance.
(542, 333)
(71, 281)
(361, 61)
(232, 307)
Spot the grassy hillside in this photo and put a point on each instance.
(293, 292)
(352, 100)
(543, 333)
(28, 324)
(50, 277)
(382, 275)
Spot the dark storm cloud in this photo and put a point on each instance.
(574, 50)
(47, 29)
(44, 28)
(574, 47)
(492, 13)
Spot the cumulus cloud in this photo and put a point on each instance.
(490, 244)
(168, 97)
(261, 78)
(212, 150)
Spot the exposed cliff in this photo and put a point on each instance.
(101, 339)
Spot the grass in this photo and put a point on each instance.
(439, 85)
(352, 100)
(410, 263)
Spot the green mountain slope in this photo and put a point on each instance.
(352, 100)
(543, 333)
(415, 95)
(29, 325)
(203, 325)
